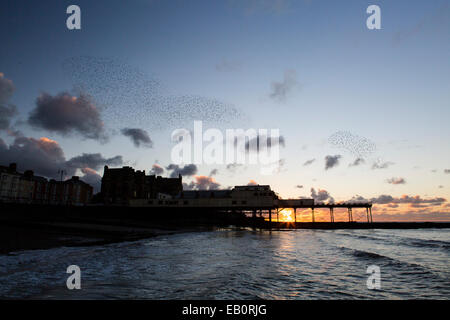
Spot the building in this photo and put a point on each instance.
(9, 183)
(119, 185)
(28, 188)
(69, 192)
(240, 197)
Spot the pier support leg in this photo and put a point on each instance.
(312, 212)
(278, 215)
(270, 216)
(367, 211)
(350, 218)
(295, 215)
(331, 214)
(370, 210)
(254, 214)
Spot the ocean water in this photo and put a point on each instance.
(241, 264)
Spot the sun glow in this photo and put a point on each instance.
(286, 215)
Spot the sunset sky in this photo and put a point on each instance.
(363, 114)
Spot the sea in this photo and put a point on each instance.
(231, 263)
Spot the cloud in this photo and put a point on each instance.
(45, 157)
(308, 162)
(396, 181)
(232, 167)
(299, 186)
(357, 162)
(7, 111)
(6, 89)
(67, 114)
(206, 183)
(138, 136)
(187, 170)
(253, 145)
(281, 90)
(385, 199)
(252, 183)
(331, 161)
(382, 165)
(357, 199)
(447, 171)
(321, 195)
(213, 172)
(92, 177)
(157, 169)
(92, 160)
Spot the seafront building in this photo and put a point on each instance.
(28, 188)
(120, 185)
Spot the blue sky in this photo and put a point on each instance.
(391, 86)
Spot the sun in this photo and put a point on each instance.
(286, 215)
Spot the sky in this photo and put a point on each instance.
(363, 114)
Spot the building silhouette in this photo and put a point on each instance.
(119, 185)
(28, 188)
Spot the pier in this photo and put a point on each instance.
(298, 204)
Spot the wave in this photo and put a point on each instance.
(404, 241)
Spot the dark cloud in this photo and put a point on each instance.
(45, 157)
(352, 143)
(385, 199)
(382, 165)
(7, 111)
(138, 136)
(321, 196)
(396, 181)
(357, 199)
(92, 160)
(308, 162)
(213, 172)
(280, 90)
(157, 170)
(357, 162)
(331, 161)
(66, 114)
(187, 170)
(6, 89)
(232, 167)
(253, 145)
(447, 171)
(299, 186)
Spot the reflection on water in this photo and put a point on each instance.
(241, 264)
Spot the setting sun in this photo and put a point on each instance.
(286, 215)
